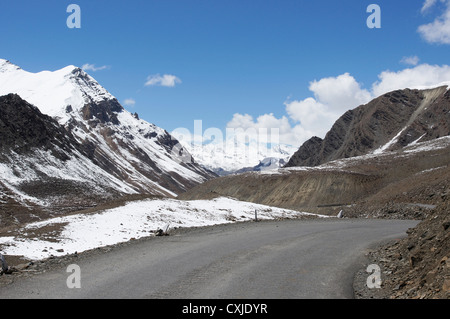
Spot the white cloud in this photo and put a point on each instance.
(333, 96)
(312, 116)
(92, 67)
(166, 80)
(340, 93)
(263, 125)
(437, 31)
(423, 75)
(129, 102)
(427, 5)
(410, 60)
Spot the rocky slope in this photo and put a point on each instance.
(23, 128)
(387, 123)
(416, 267)
(67, 143)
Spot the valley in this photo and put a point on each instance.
(80, 173)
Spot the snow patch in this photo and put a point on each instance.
(386, 146)
(135, 220)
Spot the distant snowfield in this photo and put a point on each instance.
(81, 232)
(232, 155)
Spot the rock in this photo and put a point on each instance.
(22, 267)
(159, 232)
(411, 291)
(430, 277)
(446, 225)
(399, 286)
(446, 261)
(446, 285)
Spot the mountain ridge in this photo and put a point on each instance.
(389, 122)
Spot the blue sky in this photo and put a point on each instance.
(245, 62)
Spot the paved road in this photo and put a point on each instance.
(279, 259)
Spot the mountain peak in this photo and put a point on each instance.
(70, 69)
(6, 66)
(53, 92)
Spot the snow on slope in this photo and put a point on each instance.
(386, 146)
(139, 219)
(26, 169)
(430, 87)
(131, 154)
(347, 163)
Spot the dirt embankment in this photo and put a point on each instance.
(416, 267)
(310, 191)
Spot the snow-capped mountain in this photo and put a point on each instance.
(230, 156)
(105, 149)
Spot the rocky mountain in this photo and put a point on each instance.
(387, 123)
(66, 142)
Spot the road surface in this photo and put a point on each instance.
(292, 259)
